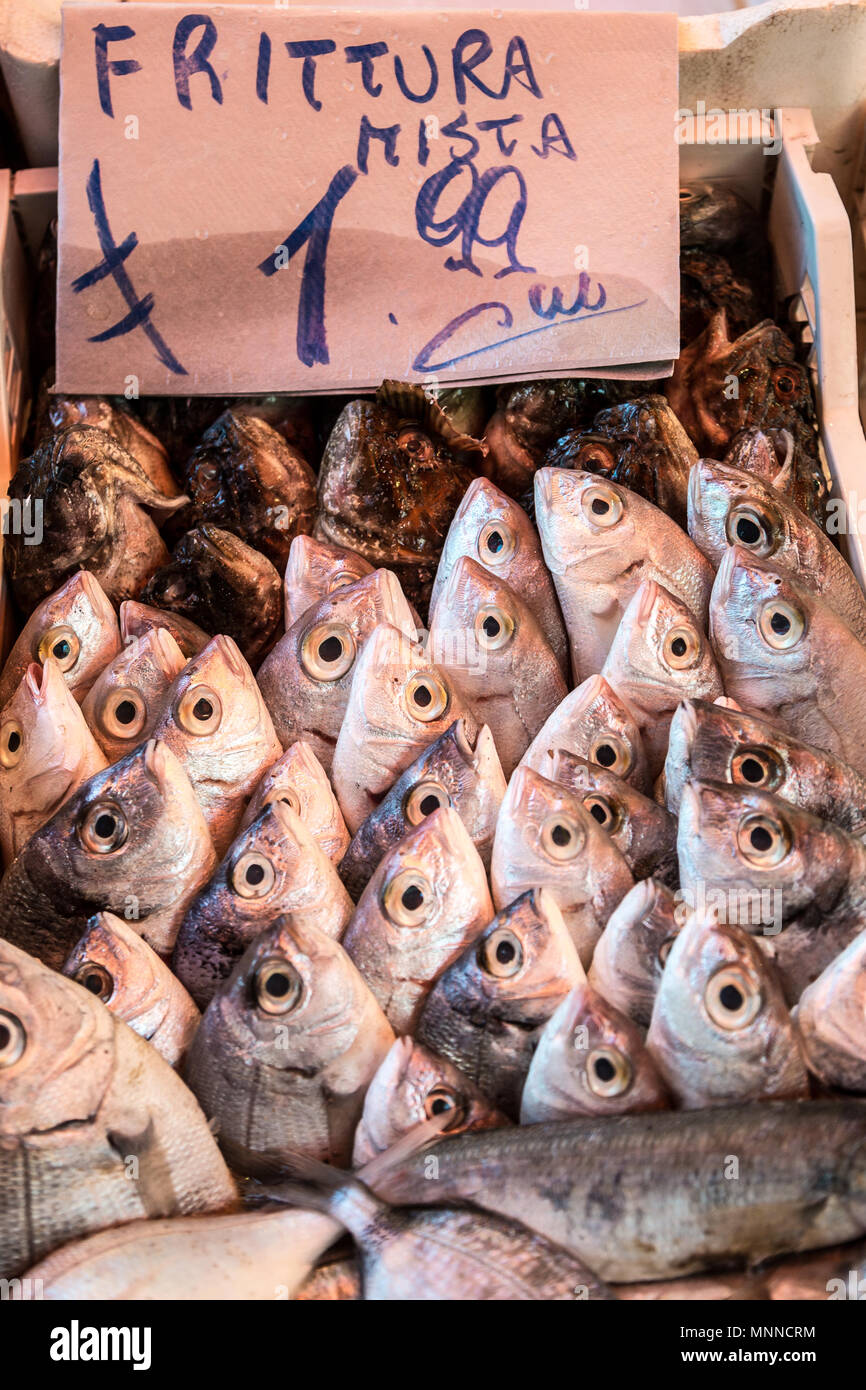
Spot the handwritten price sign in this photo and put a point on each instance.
(259, 199)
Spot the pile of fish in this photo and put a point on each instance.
(440, 873)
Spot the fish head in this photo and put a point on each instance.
(601, 728)
(491, 529)
(760, 622)
(40, 736)
(315, 569)
(660, 649)
(728, 506)
(481, 622)
(523, 963)
(714, 742)
(585, 522)
(399, 692)
(122, 705)
(112, 962)
(77, 627)
(273, 859)
(137, 619)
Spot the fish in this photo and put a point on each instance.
(494, 531)
(590, 1059)
(400, 701)
(273, 867)
(299, 781)
(137, 619)
(485, 1012)
(180, 421)
(720, 1030)
(714, 216)
(630, 954)
(592, 722)
(222, 585)
(81, 1097)
(286, 1050)
(412, 1085)
(315, 569)
(46, 752)
(584, 1183)
(116, 964)
(531, 415)
(122, 704)
(545, 837)
(728, 506)
(461, 769)
(642, 830)
(659, 656)
(306, 678)
(708, 282)
(831, 1020)
(600, 540)
(130, 433)
(427, 899)
(76, 626)
(215, 721)
(485, 637)
(130, 840)
(785, 655)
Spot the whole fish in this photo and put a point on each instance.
(214, 719)
(46, 752)
(786, 655)
(644, 832)
(720, 1030)
(273, 867)
(286, 1050)
(411, 1086)
(590, 1060)
(494, 531)
(122, 705)
(426, 901)
(299, 780)
(81, 1096)
(76, 626)
(599, 541)
(630, 955)
(658, 657)
(546, 837)
(461, 769)
(400, 701)
(306, 679)
(315, 569)
(131, 840)
(136, 620)
(487, 639)
(831, 1020)
(485, 1012)
(593, 723)
(116, 964)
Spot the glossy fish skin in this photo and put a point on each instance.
(137, 619)
(122, 705)
(721, 1032)
(599, 541)
(130, 840)
(714, 216)
(76, 625)
(427, 900)
(46, 752)
(546, 837)
(531, 415)
(461, 769)
(785, 655)
(215, 721)
(411, 1085)
(583, 1183)
(494, 531)
(592, 722)
(273, 867)
(116, 964)
(315, 569)
(590, 1060)
(643, 832)
(298, 779)
(629, 957)
(80, 1094)
(831, 1020)
(217, 581)
(306, 679)
(130, 433)
(400, 701)
(485, 1012)
(485, 637)
(286, 1050)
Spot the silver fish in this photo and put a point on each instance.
(315, 569)
(629, 958)
(299, 780)
(122, 705)
(831, 1020)
(76, 625)
(644, 832)
(594, 723)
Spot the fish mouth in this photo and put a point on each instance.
(690, 808)
(687, 724)
(157, 759)
(695, 488)
(166, 652)
(543, 486)
(231, 655)
(650, 592)
(36, 679)
(723, 587)
(96, 596)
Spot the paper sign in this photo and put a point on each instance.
(254, 198)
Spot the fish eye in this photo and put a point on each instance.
(277, 987)
(408, 898)
(786, 383)
(610, 752)
(423, 800)
(96, 979)
(13, 1039)
(780, 624)
(287, 795)
(732, 998)
(443, 1101)
(493, 628)
(124, 713)
(763, 840)
(340, 580)
(601, 505)
(328, 651)
(496, 543)
(665, 950)
(252, 875)
(103, 828)
(608, 1072)
(681, 649)
(593, 456)
(417, 444)
(11, 744)
(602, 809)
(756, 767)
(62, 643)
(751, 527)
(199, 710)
(426, 697)
(561, 837)
(501, 954)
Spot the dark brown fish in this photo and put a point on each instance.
(707, 284)
(59, 412)
(180, 421)
(532, 415)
